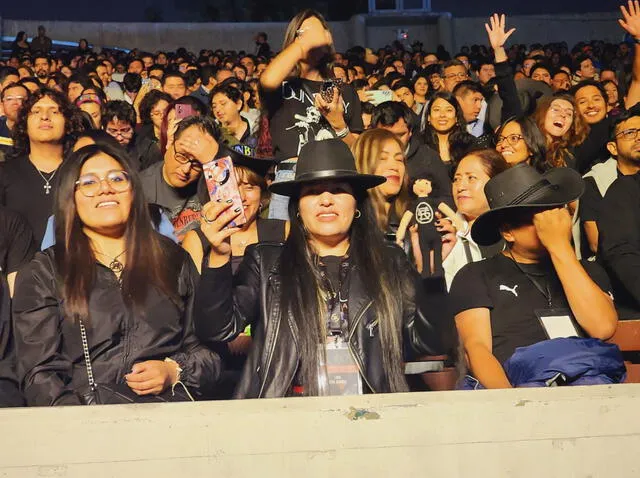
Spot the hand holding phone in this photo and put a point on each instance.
(222, 185)
(377, 97)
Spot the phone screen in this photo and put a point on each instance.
(222, 185)
(183, 111)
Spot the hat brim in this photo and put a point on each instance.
(258, 165)
(566, 185)
(357, 181)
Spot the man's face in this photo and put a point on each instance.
(625, 146)
(401, 130)
(541, 74)
(591, 104)
(527, 65)
(486, 73)
(45, 123)
(175, 87)
(430, 60)
(561, 82)
(136, 67)
(147, 61)
(103, 74)
(359, 72)
(471, 104)
(121, 130)
(405, 95)
(180, 168)
(162, 59)
(41, 68)
(240, 73)
(454, 75)
(74, 90)
(248, 63)
(587, 70)
(12, 101)
(14, 62)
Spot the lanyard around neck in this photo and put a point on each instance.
(546, 292)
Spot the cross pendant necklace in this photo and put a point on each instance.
(47, 181)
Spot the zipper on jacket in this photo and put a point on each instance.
(270, 357)
(354, 355)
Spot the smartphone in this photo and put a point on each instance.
(379, 96)
(183, 111)
(222, 185)
(327, 90)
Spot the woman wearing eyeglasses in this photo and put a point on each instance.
(112, 275)
(519, 140)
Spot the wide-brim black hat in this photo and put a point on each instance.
(242, 156)
(330, 159)
(522, 187)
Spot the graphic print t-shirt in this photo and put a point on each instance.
(295, 121)
(181, 205)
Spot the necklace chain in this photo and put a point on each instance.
(47, 185)
(115, 265)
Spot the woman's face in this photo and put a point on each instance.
(157, 113)
(421, 86)
(442, 115)
(104, 209)
(251, 194)
(468, 187)
(511, 144)
(391, 166)
(66, 71)
(224, 109)
(612, 94)
(327, 209)
(559, 118)
(94, 111)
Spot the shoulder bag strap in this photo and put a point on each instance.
(87, 357)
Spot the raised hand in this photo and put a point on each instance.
(215, 219)
(553, 227)
(630, 20)
(496, 29)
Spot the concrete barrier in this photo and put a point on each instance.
(579, 432)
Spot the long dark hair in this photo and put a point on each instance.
(72, 122)
(459, 131)
(301, 292)
(147, 261)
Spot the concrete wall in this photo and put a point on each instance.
(373, 31)
(561, 432)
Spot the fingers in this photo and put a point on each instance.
(213, 209)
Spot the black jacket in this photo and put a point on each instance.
(226, 304)
(49, 348)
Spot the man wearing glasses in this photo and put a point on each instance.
(119, 121)
(12, 98)
(618, 215)
(453, 73)
(173, 183)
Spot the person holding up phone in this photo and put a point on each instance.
(290, 87)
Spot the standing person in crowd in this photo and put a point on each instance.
(472, 173)
(42, 43)
(173, 183)
(119, 121)
(20, 46)
(174, 84)
(43, 135)
(12, 97)
(143, 340)
(499, 303)
(420, 91)
(227, 103)
(291, 87)
(152, 110)
(262, 47)
(207, 83)
(380, 152)
(335, 251)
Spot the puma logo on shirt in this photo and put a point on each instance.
(510, 289)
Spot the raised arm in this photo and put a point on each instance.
(630, 22)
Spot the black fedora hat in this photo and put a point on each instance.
(242, 155)
(322, 160)
(523, 187)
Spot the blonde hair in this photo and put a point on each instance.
(367, 150)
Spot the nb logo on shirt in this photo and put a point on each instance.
(510, 289)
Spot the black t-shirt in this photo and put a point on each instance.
(498, 285)
(16, 241)
(22, 189)
(591, 200)
(295, 121)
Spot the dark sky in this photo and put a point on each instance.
(134, 10)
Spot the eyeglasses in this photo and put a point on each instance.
(14, 99)
(157, 113)
(90, 184)
(557, 110)
(512, 139)
(628, 134)
(459, 76)
(125, 133)
(184, 159)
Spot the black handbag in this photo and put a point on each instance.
(111, 394)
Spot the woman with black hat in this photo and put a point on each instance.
(334, 309)
(501, 303)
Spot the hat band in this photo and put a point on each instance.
(329, 173)
(530, 192)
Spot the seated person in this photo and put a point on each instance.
(498, 302)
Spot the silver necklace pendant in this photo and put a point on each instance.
(47, 187)
(116, 266)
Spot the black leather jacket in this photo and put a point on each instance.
(49, 350)
(226, 304)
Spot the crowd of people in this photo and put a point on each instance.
(396, 205)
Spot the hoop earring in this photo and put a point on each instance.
(358, 214)
(260, 208)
